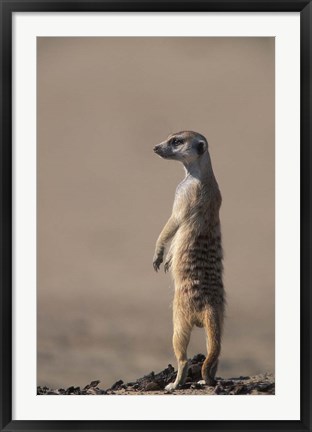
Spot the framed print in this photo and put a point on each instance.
(102, 105)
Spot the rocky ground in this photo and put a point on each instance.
(154, 383)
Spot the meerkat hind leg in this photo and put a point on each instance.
(213, 341)
(181, 338)
(213, 371)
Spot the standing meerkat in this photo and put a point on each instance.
(195, 255)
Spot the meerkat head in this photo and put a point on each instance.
(185, 146)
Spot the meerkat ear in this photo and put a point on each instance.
(201, 147)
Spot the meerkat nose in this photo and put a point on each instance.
(156, 148)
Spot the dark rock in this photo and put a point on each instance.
(92, 384)
(198, 358)
(194, 372)
(240, 389)
(227, 382)
(162, 378)
(219, 389)
(70, 390)
(265, 387)
(152, 386)
(117, 385)
(185, 386)
(197, 386)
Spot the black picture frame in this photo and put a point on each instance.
(8, 7)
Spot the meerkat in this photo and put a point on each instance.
(195, 254)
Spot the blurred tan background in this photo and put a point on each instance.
(103, 197)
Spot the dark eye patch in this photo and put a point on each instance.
(175, 142)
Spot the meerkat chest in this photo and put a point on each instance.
(187, 198)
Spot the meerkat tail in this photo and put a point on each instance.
(212, 321)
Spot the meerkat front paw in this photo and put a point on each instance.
(167, 264)
(157, 260)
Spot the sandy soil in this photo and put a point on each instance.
(155, 383)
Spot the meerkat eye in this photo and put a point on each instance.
(175, 142)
